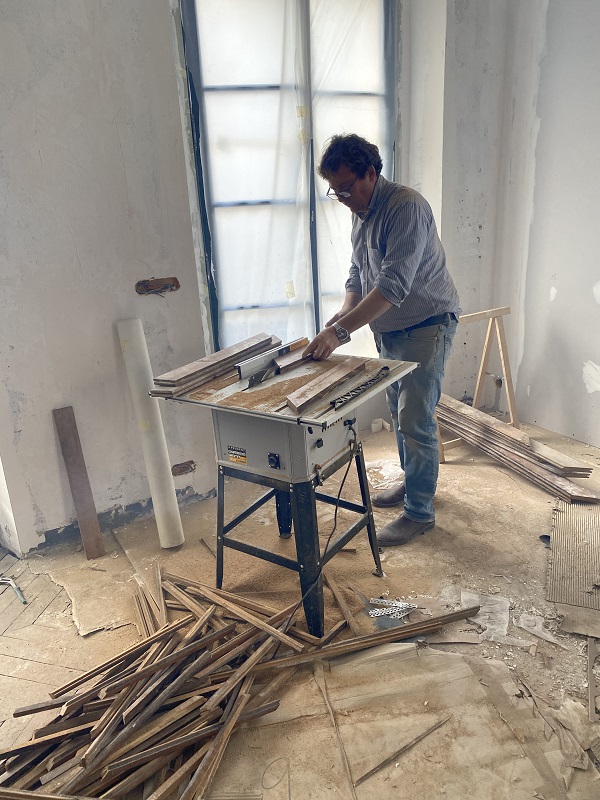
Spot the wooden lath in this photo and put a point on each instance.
(513, 448)
(158, 717)
(191, 376)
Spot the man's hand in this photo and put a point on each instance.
(362, 312)
(323, 345)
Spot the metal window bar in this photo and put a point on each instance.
(189, 27)
(197, 91)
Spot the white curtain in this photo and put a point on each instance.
(274, 73)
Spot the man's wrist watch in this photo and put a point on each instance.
(341, 333)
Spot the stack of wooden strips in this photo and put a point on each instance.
(157, 718)
(183, 379)
(540, 464)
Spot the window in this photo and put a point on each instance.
(271, 81)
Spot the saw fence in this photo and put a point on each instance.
(157, 718)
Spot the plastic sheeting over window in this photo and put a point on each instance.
(279, 77)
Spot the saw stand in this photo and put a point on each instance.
(261, 440)
(295, 475)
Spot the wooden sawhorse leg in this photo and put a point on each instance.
(495, 327)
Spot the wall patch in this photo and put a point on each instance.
(591, 376)
(157, 286)
(183, 468)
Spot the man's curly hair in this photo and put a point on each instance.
(353, 151)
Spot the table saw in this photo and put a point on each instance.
(259, 438)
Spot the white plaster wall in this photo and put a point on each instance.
(520, 126)
(8, 526)
(421, 98)
(476, 33)
(558, 383)
(93, 198)
(521, 177)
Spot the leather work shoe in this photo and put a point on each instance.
(389, 498)
(402, 531)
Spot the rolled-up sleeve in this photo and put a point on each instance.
(353, 284)
(406, 238)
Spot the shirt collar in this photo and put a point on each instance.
(374, 197)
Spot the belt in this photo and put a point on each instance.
(439, 319)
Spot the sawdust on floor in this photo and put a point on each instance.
(486, 539)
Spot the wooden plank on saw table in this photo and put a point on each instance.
(229, 355)
(312, 391)
(93, 544)
(291, 360)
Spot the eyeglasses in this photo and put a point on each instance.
(332, 194)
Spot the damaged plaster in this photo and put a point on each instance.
(591, 376)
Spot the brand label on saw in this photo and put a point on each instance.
(237, 454)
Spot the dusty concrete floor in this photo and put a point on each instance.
(486, 539)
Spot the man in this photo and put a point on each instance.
(399, 285)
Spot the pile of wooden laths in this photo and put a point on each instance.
(542, 465)
(191, 376)
(157, 718)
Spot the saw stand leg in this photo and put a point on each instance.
(296, 506)
(306, 535)
(283, 506)
(220, 526)
(366, 499)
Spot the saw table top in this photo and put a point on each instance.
(268, 399)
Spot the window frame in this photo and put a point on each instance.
(197, 92)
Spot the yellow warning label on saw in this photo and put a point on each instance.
(237, 454)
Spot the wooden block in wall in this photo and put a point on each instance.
(91, 537)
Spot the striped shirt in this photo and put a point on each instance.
(396, 249)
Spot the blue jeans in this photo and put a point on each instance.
(412, 401)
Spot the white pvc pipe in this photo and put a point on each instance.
(149, 422)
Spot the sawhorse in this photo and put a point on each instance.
(495, 328)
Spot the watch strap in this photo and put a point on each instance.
(341, 333)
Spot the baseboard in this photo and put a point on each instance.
(119, 516)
